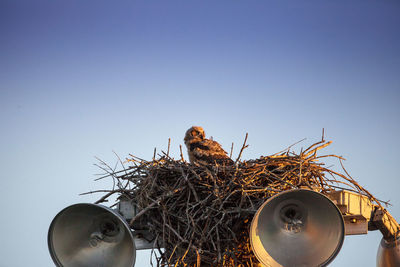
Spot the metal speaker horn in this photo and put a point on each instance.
(388, 253)
(90, 235)
(297, 228)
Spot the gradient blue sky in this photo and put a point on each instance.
(80, 79)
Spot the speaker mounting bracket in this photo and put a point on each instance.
(361, 215)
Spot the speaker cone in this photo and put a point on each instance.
(90, 235)
(297, 228)
(388, 253)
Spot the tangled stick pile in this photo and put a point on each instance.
(200, 216)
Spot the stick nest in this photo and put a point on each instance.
(201, 215)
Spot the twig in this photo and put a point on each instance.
(143, 211)
(243, 147)
(180, 149)
(289, 147)
(169, 143)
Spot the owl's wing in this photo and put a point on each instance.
(209, 152)
(215, 147)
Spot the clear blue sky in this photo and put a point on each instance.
(80, 79)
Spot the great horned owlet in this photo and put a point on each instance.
(204, 151)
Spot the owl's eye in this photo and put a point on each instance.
(193, 133)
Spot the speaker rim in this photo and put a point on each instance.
(52, 224)
(275, 263)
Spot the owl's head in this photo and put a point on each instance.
(194, 133)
